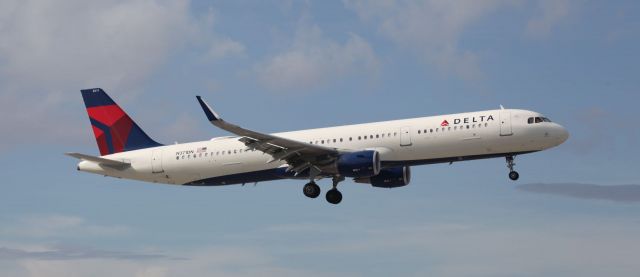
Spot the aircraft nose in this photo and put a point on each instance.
(563, 134)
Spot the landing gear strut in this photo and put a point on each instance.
(334, 196)
(311, 190)
(513, 175)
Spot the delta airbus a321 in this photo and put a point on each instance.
(379, 153)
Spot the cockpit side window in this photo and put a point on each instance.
(546, 119)
(530, 120)
(538, 119)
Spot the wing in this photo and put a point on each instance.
(299, 155)
(106, 162)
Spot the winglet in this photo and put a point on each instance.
(211, 115)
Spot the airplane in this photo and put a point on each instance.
(379, 153)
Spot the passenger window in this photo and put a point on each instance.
(486, 124)
(467, 126)
(359, 137)
(350, 138)
(419, 131)
(365, 137)
(430, 130)
(377, 136)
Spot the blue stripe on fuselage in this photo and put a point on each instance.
(280, 173)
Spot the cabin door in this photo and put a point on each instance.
(505, 123)
(156, 161)
(405, 136)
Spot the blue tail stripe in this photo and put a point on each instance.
(138, 139)
(107, 133)
(96, 97)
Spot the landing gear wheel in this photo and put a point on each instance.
(311, 190)
(334, 196)
(513, 175)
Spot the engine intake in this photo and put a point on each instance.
(388, 178)
(359, 164)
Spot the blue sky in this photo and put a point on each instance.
(286, 65)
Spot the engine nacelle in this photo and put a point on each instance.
(389, 178)
(359, 164)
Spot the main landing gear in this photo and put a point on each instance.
(311, 190)
(513, 175)
(333, 196)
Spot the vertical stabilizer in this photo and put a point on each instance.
(114, 130)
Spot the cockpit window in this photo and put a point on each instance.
(537, 119)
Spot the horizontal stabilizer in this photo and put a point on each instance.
(99, 160)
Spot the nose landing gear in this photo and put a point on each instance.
(513, 175)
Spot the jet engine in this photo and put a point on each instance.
(388, 178)
(359, 164)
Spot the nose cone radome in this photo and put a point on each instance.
(562, 134)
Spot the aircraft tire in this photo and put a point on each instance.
(311, 190)
(513, 175)
(334, 196)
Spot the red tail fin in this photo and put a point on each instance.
(114, 130)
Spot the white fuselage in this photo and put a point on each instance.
(415, 141)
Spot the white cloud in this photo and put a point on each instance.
(550, 13)
(218, 261)
(313, 60)
(430, 29)
(575, 247)
(444, 249)
(56, 226)
(223, 47)
(51, 49)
